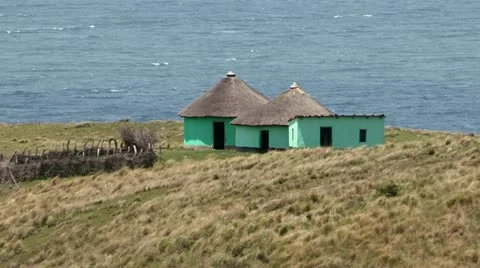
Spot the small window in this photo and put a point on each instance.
(363, 135)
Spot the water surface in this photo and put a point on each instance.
(415, 61)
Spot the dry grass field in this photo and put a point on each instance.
(52, 136)
(414, 202)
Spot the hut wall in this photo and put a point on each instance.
(198, 131)
(248, 137)
(305, 132)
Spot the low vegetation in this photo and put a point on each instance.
(54, 136)
(413, 202)
(135, 151)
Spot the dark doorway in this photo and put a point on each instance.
(264, 141)
(325, 136)
(219, 135)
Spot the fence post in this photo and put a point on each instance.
(12, 177)
(14, 156)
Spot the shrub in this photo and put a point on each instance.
(142, 138)
(283, 230)
(389, 189)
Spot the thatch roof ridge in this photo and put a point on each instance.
(228, 98)
(294, 102)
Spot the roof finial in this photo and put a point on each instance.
(231, 74)
(294, 85)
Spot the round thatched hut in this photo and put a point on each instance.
(207, 119)
(294, 119)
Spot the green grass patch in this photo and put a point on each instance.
(399, 135)
(185, 154)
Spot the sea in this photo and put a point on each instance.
(417, 62)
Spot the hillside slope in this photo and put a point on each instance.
(414, 203)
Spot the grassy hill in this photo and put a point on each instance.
(413, 202)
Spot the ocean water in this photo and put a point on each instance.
(418, 62)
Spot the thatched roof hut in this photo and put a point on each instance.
(292, 103)
(229, 98)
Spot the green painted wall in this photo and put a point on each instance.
(198, 131)
(345, 131)
(249, 137)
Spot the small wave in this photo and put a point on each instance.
(1, 15)
(94, 90)
(368, 15)
(41, 30)
(91, 26)
(225, 32)
(158, 63)
(232, 59)
(337, 16)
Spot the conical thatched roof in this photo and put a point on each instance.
(290, 104)
(229, 98)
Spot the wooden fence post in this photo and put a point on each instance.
(12, 177)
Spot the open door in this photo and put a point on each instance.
(325, 136)
(219, 135)
(264, 141)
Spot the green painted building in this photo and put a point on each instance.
(345, 131)
(207, 119)
(295, 120)
(249, 138)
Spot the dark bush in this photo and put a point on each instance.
(283, 230)
(389, 189)
(112, 163)
(71, 166)
(68, 163)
